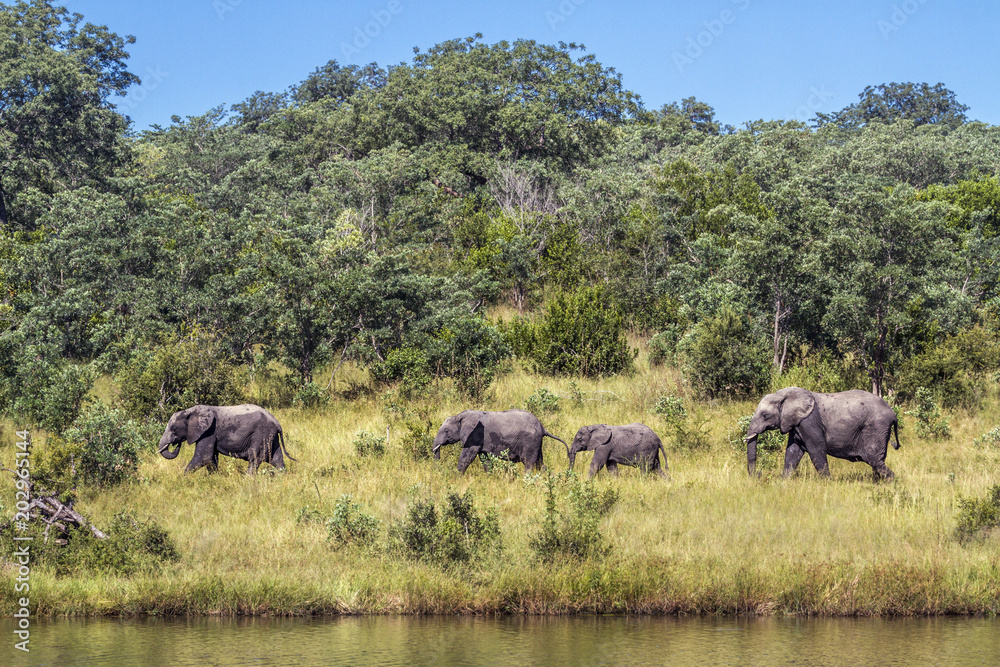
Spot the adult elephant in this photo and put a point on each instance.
(632, 445)
(514, 434)
(247, 432)
(852, 425)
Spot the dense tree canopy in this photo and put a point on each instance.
(377, 215)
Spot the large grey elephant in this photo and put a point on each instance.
(517, 432)
(247, 432)
(853, 425)
(632, 445)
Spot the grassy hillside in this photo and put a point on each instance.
(710, 540)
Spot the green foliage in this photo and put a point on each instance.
(310, 395)
(929, 422)
(500, 466)
(418, 440)
(132, 547)
(662, 348)
(978, 515)
(406, 365)
(956, 370)
(726, 356)
(989, 439)
(573, 531)
(822, 371)
(350, 526)
(454, 535)
(369, 445)
(542, 401)
(101, 448)
(888, 103)
(578, 335)
(180, 372)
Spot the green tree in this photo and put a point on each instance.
(58, 126)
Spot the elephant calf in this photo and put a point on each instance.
(516, 434)
(631, 445)
(247, 432)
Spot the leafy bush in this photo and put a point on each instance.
(369, 445)
(132, 546)
(955, 370)
(930, 423)
(418, 440)
(101, 448)
(454, 535)
(41, 386)
(989, 439)
(820, 370)
(662, 348)
(976, 515)
(178, 373)
(349, 525)
(577, 335)
(470, 350)
(542, 401)
(500, 466)
(310, 395)
(406, 365)
(671, 409)
(574, 531)
(726, 355)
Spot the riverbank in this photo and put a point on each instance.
(709, 541)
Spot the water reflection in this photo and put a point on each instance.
(519, 640)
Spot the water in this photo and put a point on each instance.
(442, 641)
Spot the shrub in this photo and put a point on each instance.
(726, 355)
(954, 370)
(408, 366)
(930, 423)
(472, 351)
(500, 466)
(662, 348)
(369, 445)
(976, 515)
(418, 441)
(578, 335)
(101, 448)
(988, 439)
(349, 525)
(575, 531)
(542, 401)
(310, 395)
(180, 372)
(132, 546)
(821, 371)
(455, 535)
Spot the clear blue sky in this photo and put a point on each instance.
(749, 59)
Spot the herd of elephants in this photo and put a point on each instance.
(853, 425)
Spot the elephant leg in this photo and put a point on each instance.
(204, 455)
(881, 471)
(612, 468)
(818, 457)
(793, 454)
(277, 460)
(467, 456)
(601, 456)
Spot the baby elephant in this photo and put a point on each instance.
(631, 445)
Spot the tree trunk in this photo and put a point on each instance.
(3, 208)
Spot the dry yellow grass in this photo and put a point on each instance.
(711, 540)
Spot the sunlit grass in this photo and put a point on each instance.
(710, 540)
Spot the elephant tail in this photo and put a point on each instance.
(281, 439)
(895, 429)
(544, 433)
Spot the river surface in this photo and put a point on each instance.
(442, 641)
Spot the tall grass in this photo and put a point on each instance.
(710, 540)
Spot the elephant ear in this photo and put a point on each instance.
(797, 405)
(599, 435)
(199, 422)
(472, 431)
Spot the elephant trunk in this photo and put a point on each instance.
(752, 455)
(572, 458)
(166, 453)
